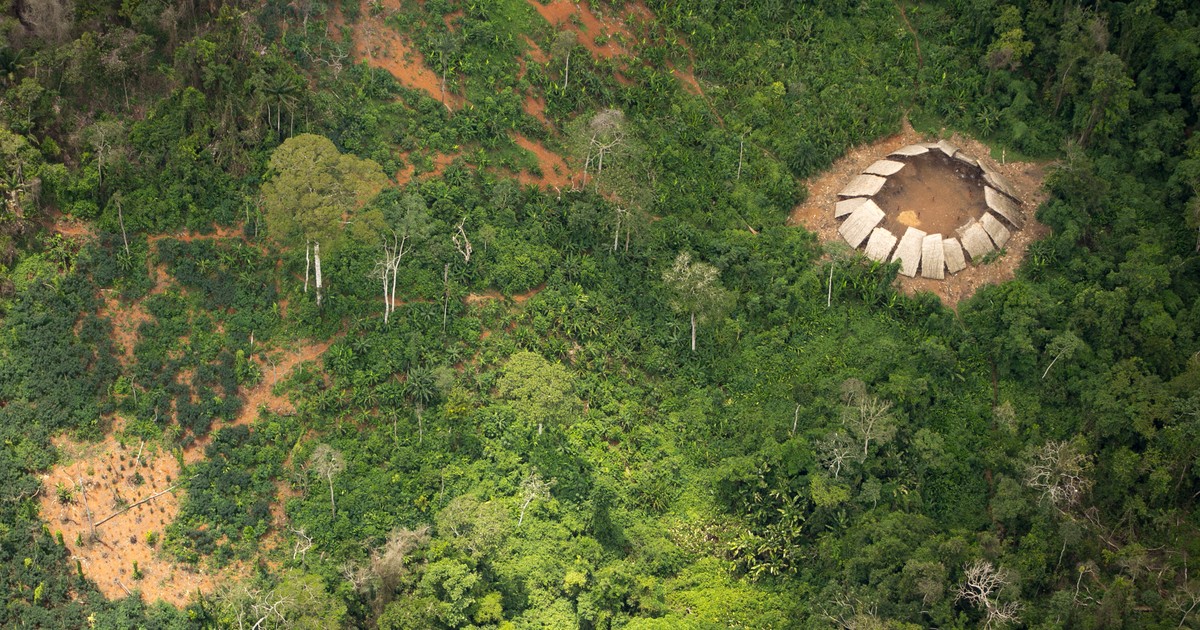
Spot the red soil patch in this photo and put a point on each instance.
(440, 162)
(535, 52)
(518, 298)
(71, 227)
(97, 469)
(121, 541)
(382, 47)
(108, 561)
(559, 14)
(275, 367)
(555, 172)
(687, 79)
(126, 318)
(816, 213)
(536, 107)
(187, 236)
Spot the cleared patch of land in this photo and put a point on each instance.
(816, 213)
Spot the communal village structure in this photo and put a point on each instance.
(878, 215)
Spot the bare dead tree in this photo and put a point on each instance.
(534, 488)
(868, 418)
(357, 575)
(389, 564)
(981, 587)
(50, 20)
(1186, 599)
(328, 462)
(304, 543)
(836, 451)
(607, 133)
(388, 269)
(317, 269)
(461, 242)
(1059, 471)
(849, 612)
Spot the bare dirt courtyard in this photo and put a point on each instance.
(933, 192)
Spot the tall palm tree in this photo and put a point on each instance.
(279, 90)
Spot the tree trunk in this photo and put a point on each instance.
(741, 153)
(617, 231)
(445, 294)
(307, 263)
(396, 271)
(317, 269)
(693, 332)
(386, 302)
(121, 218)
(567, 73)
(332, 505)
(1062, 86)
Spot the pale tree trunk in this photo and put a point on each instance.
(693, 332)
(121, 218)
(317, 269)
(617, 232)
(445, 294)
(332, 505)
(741, 153)
(386, 301)
(307, 263)
(567, 73)
(395, 271)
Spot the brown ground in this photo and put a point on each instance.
(98, 467)
(933, 192)
(816, 213)
(125, 320)
(122, 540)
(382, 47)
(518, 298)
(440, 162)
(555, 172)
(536, 106)
(563, 14)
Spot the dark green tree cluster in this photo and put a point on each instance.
(610, 406)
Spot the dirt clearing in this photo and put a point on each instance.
(379, 44)
(933, 192)
(100, 479)
(128, 491)
(597, 35)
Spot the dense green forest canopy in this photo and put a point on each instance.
(623, 396)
